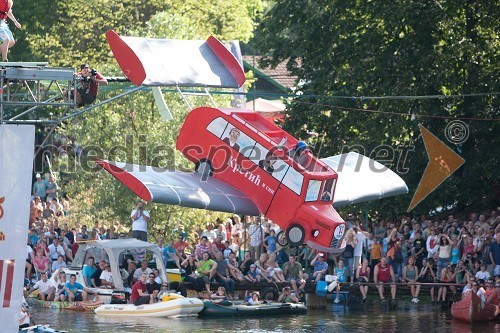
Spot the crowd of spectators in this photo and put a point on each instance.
(441, 252)
(411, 251)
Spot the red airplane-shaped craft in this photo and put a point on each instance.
(244, 164)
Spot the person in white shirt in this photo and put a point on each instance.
(432, 244)
(358, 248)
(483, 274)
(56, 249)
(140, 219)
(237, 226)
(479, 291)
(24, 318)
(46, 288)
(144, 269)
(107, 277)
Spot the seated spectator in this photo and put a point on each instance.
(189, 266)
(410, 275)
(227, 250)
(139, 294)
(219, 296)
(254, 299)
(483, 274)
(131, 268)
(320, 267)
(96, 277)
(144, 269)
(74, 247)
(152, 287)
(292, 270)
(260, 264)
(59, 263)
(272, 269)
(46, 289)
(180, 247)
(479, 291)
(384, 274)
(247, 262)
(341, 272)
(59, 282)
(363, 276)
(252, 275)
(107, 277)
(286, 296)
(232, 264)
(87, 271)
(170, 256)
(40, 263)
(206, 268)
(30, 256)
(73, 290)
(202, 247)
(158, 279)
(222, 274)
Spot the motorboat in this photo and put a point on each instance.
(171, 305)
(116, 252)
(472, 309)
(241, 309)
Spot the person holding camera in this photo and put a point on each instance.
(88, 86)
(140, 218)
(286, 296)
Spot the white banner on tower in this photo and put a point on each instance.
(16, 167)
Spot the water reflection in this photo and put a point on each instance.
(372, 317)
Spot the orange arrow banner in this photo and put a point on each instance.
(443, 162)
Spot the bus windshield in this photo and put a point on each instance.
(328, 189)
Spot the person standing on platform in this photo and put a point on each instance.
(140, 218)
(40, 186)
(5, 33)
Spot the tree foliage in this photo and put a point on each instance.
(404, 48)
(130, 128)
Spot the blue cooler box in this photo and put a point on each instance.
(321, 288)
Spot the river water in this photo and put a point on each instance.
(371, 317)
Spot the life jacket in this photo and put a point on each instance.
(4, 9)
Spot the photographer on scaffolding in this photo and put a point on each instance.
(88, 85)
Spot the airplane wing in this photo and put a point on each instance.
(185, 189)
(363, 179)
(167, 62)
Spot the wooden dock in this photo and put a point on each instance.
(349, 291)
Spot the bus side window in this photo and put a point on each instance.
(217, 126)
(293, 180)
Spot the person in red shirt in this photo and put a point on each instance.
(180, 247)
(139, 293)
(383, 274)
(491, 292)
(88, 86)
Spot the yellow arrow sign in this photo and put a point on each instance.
(443, 162)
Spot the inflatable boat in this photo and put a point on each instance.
(172, 305)
(239, 309)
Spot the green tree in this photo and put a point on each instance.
(406, 48)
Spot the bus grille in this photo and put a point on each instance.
(335, 243)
